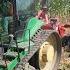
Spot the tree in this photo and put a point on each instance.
(59, 7)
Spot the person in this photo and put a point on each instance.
(42, 14)
(54, 24)
(57, 26)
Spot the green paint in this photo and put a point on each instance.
(14, 62)
(33, 25)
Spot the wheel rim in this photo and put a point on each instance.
(45, 56)
(47, 60)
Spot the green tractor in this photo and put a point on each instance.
(24, 45)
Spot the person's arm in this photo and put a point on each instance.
(47, 20)
(38, 15)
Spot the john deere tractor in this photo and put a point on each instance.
(24, 45)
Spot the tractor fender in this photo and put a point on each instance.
(33, 25)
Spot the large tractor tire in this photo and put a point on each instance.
(49, 54)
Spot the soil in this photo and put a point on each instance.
(65, 60)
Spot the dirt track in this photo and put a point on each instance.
(65, 60)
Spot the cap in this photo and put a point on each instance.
(53, 19)
(45, 7)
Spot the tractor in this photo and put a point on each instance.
(24, 44)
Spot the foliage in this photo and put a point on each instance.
(59, 7)
(37, 5)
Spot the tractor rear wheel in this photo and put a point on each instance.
(49, 53)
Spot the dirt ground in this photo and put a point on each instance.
(65, 57)
(65, 60)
